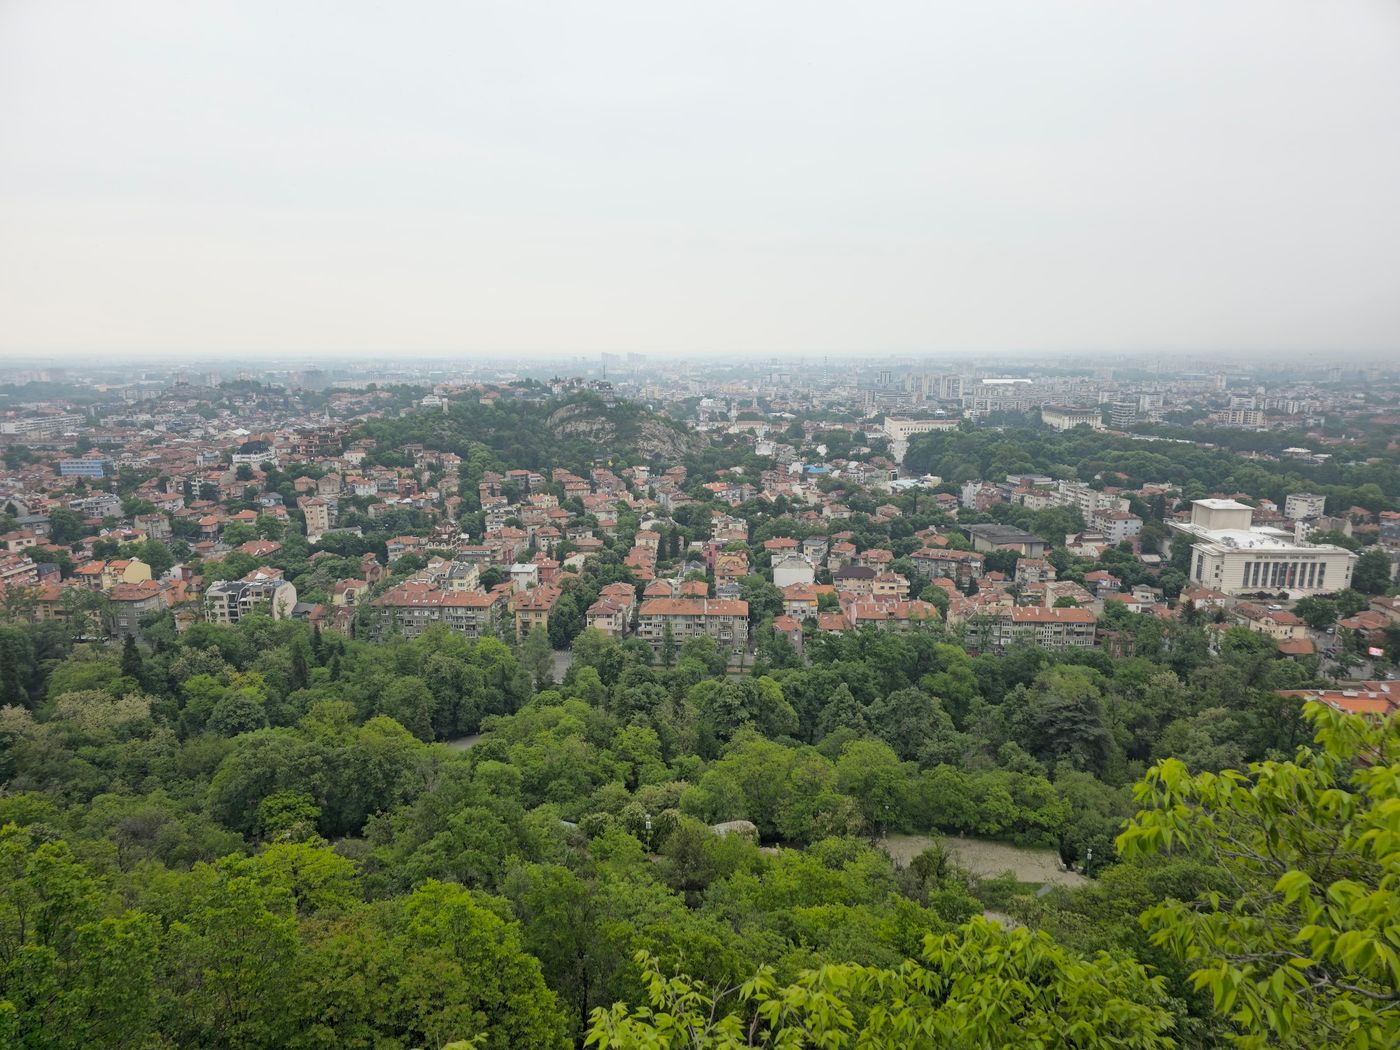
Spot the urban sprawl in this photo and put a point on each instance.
(759, 507)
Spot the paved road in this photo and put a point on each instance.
(563, 658)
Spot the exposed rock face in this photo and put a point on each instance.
(625, 429)
(746, 828)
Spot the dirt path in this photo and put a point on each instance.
(1027, 864)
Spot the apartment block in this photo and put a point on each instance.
(724, 620)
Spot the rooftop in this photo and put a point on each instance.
(997, 533)
(1260, 537)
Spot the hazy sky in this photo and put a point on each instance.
(932, 175)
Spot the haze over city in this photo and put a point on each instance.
(795, 179)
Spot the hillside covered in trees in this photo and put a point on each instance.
(539, 433)
(1368, 477)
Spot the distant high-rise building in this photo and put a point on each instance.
(949, 388)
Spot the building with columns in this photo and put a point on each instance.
(1232, 555)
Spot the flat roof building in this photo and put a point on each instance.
(1232, 555)
(996, 537)
(82, 468)
(1058, 417)
(1302, 505)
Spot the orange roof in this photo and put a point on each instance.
(1040, 614)
(694, 607)
(947, 555)
(1350, 701)
(470, 599)
(133, 592)
(541, 599)
(1366, 620)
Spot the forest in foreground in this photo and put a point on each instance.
(257, 837)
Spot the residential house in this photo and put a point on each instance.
(532, 608)
(962, 567)
(727, 622)
(854, 579)
(608, 617)
(790, 568)
(228, 601)
(889, 586)
(1035, 625)
(130, 602)
(800, 601)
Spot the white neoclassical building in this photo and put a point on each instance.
(1232, 555)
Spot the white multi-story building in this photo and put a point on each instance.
(254, 454)
(1057, 417)
(1116, 525)
(228, 601)
(1232, 555)
(792, 568)
(41, 426)
(1123, 413)
(1089, 501)
(1301, 505)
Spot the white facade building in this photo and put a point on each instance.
(1057, 417)
(1231, 555)
(1300, 505)
(792, 568)
(1089, 501)
(1116, 525)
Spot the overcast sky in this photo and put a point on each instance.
(809, 177)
